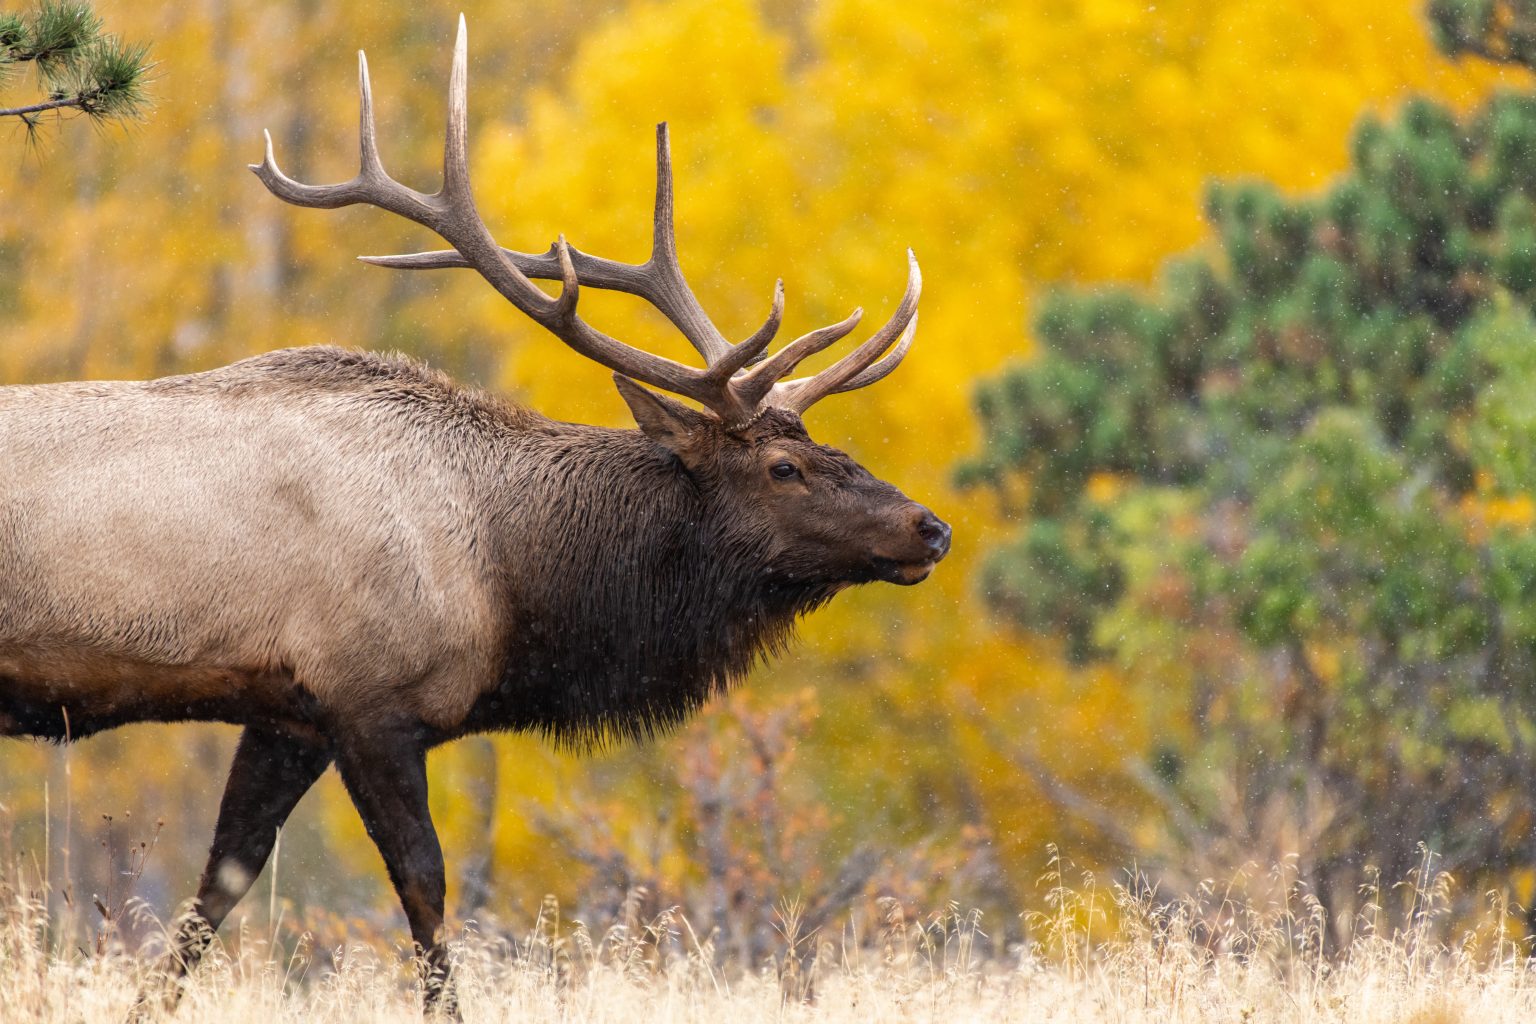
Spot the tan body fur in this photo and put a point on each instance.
(223, 540)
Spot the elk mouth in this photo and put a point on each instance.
(903, 574)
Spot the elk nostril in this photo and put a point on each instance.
(934, 532)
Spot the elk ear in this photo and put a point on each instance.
(667, 422)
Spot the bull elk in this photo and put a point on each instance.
(356, 559)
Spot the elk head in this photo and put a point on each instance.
(822, 518)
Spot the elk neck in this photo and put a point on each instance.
(633, 593)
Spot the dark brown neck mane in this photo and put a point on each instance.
(651, 599)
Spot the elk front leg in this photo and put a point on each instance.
(270, 773)
(385, 773)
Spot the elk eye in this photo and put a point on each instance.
(783, 470)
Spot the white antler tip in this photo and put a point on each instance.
(457, 80)
(268, 163)
(778, 298)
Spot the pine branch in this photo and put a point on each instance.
(37, 108)
(83, 70)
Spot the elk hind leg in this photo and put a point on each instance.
(270, 773)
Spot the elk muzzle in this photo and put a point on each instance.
(924, 544)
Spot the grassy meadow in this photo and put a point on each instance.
(1115, 953)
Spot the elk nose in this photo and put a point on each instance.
(934, 532)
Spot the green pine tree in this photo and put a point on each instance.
(1290, 491)
(80, 69)
(1496, 30)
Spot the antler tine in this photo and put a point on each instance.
(370, 185)
(748, 351)
(761, 380)
(882, 369)
(456, 146)
(370, 166)
(859, 368)
(758, 342)
(663, 222)
(679, 303)
(570, 285)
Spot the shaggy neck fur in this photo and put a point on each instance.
(635, 597)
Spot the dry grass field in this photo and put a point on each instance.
(1093, 955)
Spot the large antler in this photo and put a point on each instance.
(725, 385)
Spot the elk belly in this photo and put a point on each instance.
(64, 694)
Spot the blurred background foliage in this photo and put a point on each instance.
(1149, 594)
(1287, 492)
